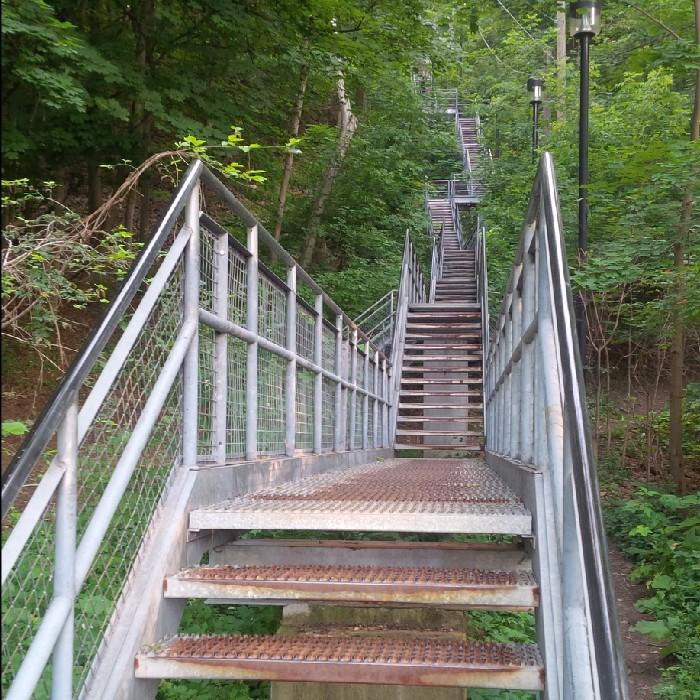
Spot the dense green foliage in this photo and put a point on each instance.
(94, 84)
(660, 532)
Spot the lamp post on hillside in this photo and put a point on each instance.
(584, 24)
(534, 87)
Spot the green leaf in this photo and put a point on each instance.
(14, 427)
(654, 628)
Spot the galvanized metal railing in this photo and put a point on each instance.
(205, 356)
(378, 320)
(411, 291)
(437, 258)
(536, 422)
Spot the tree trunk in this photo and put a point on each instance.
(289, 159)
(348, 124)
(678, 340)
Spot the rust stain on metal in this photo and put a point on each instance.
(417, 481)
(388, 660)
(413, 576)
(418, 585)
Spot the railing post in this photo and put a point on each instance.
(527, 367)
(251, 389)
(375, 402)
(221, 253)
(365, 399)
(508, 378)
(291, 377)
(64, 584)
(339, 405)
(318, 377)
(515, 396)
(190, 388)
(385, 406)
(353, 383)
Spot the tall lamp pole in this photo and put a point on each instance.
(534, 87)
(584, 24)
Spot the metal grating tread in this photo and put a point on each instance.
(386, 585)
(332, 658)
(406, 495)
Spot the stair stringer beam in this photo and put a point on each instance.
(535, 489)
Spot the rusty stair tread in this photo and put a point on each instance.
(345, 659)
(443, 358)
(438, 419)
(502, 589)
(442, 406)
(439, 433)
(440, 380)
(461, 447)
(398, 495)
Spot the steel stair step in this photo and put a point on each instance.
(442, 406)
(442, 358)
(444, 346)
(441, 381)
(387, 585)
(442, 307)
(432, 393)
(420, 420)
(460, 372)
(437, 433)
(440, 326)
(425, 335)
(439, 448)
(344, 659)
(491, 556)
(397, 495)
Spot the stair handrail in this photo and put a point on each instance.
(377, 321)
(193, 282)
(536, 419)
(454, 209)
(411, 291)
(436, 261)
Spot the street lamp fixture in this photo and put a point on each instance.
(584, 24)
(534, 87)
(584, 17)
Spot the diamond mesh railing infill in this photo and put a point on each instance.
(181, 333)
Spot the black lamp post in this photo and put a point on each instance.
(534, 87)
(584, 24)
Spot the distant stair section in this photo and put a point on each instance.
(440, 401)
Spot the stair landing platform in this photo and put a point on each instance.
(396, 495)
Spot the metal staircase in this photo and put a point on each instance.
(213, 400)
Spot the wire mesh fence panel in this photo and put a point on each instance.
(236, 398)
(370, 424)
(328, 417)
(205, 405)
(328, 349)
(108, 574)
(26, 594)
(272, 311)
(237, 288)
(359, 413)
(305, 332)
(207, 257)
(271, 403)
(305, 410)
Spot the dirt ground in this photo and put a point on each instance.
(641, 652)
